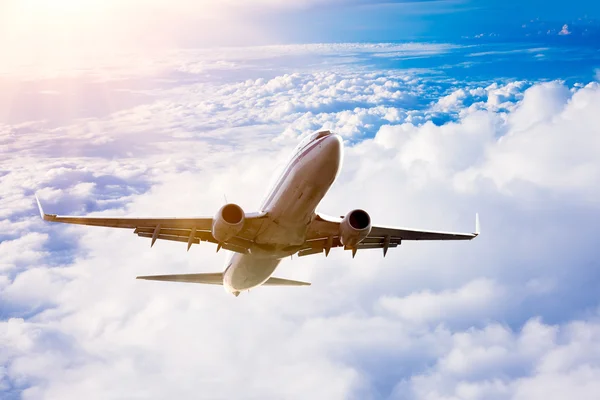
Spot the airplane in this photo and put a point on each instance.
(287, 223)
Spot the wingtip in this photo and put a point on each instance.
(39, 206)
(477, 230)
(45, 217)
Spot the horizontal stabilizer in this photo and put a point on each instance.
(284, 282)
(216, 279)
(208, 279)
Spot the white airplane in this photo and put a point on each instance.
(286, 224)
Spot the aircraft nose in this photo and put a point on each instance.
(333, 147)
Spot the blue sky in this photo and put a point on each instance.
(446, 109)
(441, 20)
(432, 20)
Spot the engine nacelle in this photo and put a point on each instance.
(355, 227)
(228, 222)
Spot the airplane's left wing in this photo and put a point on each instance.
(324, 235)
(186, 230)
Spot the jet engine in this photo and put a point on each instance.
(355, 227)
(228, 222)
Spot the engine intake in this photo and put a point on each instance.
(228, 222)
(355, 227)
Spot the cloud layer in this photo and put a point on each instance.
(513, 314)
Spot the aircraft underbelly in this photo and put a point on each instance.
(248, 271)
(289, 220)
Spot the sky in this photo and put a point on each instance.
(447, 108)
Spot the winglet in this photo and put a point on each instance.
(45, 217)
(477, 224)
(39, 206)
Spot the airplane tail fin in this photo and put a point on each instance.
(216, 279)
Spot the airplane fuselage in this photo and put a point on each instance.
(290, 208)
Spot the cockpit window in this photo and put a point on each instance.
(321, 134)
(310, 139)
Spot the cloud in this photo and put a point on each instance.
(536, 148)
(565, 30)
(512, 364)
(499, 95)
(510, 314)
(453, 100)
(26, 250)
(476, 297)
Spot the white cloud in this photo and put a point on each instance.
(499, 96)
(23, 251)
(565, 30)
(551, 141)
(478, 297)
(540, 103)
(528, 144)
(451, 101)
(496, 363)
